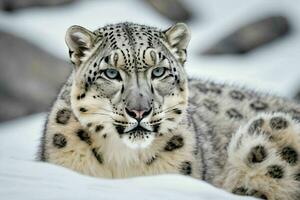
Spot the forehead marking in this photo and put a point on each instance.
(153, 56)
(115, 59)
(132, 41)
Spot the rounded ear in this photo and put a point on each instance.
(79, 40)
(178, 37)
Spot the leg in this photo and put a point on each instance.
(263, 158)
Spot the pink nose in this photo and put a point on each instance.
(138, 114)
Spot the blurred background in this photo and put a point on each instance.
(254, 43)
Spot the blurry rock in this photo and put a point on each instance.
(30, 78)
(12, 5)
(297, 96)
(251, 36)
(174, 10)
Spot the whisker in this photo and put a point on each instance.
(170, 110)
(170, 107)
(99, 108)
(99, 114)
(120, 125)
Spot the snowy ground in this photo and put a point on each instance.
(272, 68)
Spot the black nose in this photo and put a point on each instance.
(138, 114)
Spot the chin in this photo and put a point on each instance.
(138, 140)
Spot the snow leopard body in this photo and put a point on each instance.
(128, 109)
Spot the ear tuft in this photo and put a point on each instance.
(79, 40)
(178, 37)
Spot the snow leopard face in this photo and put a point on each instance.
(129, 80)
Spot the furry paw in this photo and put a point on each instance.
(263, 158)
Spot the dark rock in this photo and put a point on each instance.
(12, 5)
(174, 10)
(297, 96)
(30, 78)
(251, 36)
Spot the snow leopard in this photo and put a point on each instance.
(129, 109)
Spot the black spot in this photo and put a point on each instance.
(211, 105)
(97, 155)
(83, 109)
(152, 90)
(275, 171)
(214, 89)
(171, 119)
(120, 129)
(240, 191)
(297, 176)
(63, 116)
(59, 140)
(290, 155)
(186, 168)
(70, 53)
(295, 114)
(258, 105)
(257, 194)
(234, 114)
(175, 142)
(151, 160)
(84, 136)
(177, 111)
(89, 79)
(278, 123)
(202, 88)
(237, 95)
(122, 90)
(98, 128)
(256, 126)
(81, 96)
(156, 128)
(65, 95)
(257, 154)
(89, 125)
(106, 59)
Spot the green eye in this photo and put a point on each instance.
(112, 74)
(158, 72)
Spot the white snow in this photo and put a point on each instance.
(274, 68)
(32, 180)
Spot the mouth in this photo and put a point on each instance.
(138, 133)
(136, 138)
(138, 129)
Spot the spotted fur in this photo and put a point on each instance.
(117, 117)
